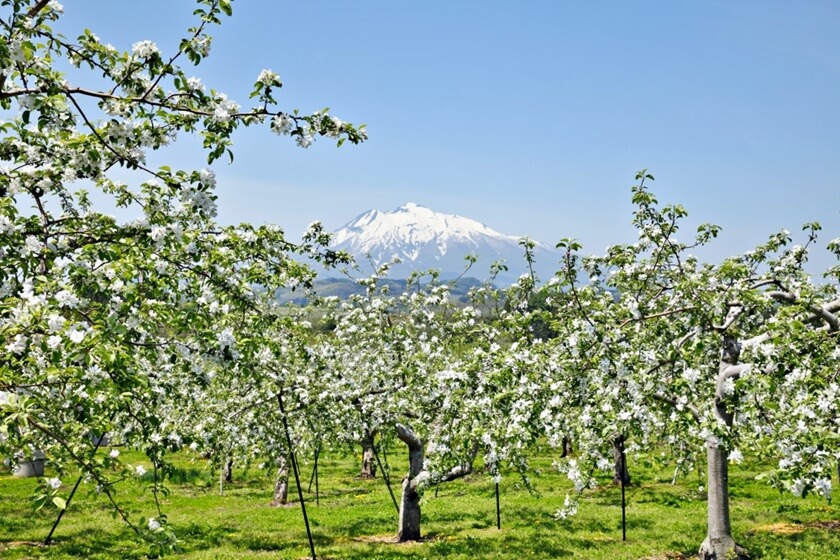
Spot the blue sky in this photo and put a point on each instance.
(531, 117)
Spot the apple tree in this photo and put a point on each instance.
(99, 315)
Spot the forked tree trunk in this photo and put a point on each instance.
(620, 462)
(408, 528)
(409, 516)
(368, 459)
(719, 544)
(281, 484)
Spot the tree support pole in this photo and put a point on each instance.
(314, 477)
(623, 501)
(314, 469)
(385, 477)
(48, 540)
(498, 509)
(317, 489)
(61, 512)
(297, 475)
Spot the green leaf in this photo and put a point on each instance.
(39, 502)
(59, 502)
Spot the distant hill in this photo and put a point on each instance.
(345, 287)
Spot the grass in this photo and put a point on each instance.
(356, 519)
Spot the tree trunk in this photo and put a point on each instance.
(567, 447)
(228, 470)
(368, 459)
(620, 462)
(409, 517)
(719, 544)
(281, 484)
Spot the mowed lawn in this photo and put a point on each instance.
(356, 518)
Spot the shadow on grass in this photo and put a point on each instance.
(525, 547)
(272, 542)
(201, 537)
(94, 544)
(673, 497)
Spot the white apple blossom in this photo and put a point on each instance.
(76, 334)
(65, 298)
(144, 49)
(267, 77)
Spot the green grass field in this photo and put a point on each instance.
(356, 519)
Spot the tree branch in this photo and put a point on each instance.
(460, 471)
(33, 11)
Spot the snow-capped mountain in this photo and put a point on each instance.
(423, 239)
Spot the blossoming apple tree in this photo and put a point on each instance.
(415, 367)
(98, 315)
(738, 356)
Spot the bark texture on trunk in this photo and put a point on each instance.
(281, 484)
(620, 462)
(719, 544)
(408, 528)
(368, 460)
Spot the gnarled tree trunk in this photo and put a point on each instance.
(408, 528)
(409, 516)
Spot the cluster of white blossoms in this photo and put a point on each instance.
(200, 198)
(223, 108)
(268, 78)
(282, 124)
(570, 508)
(194, 84)
(305, 139)
(144, 49)
(823, 487)
(202, 44)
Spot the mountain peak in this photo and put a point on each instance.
(423, 239)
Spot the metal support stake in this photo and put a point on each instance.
(297, 475)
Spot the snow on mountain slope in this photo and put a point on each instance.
(423, 239)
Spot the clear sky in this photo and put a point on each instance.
(529, 116)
